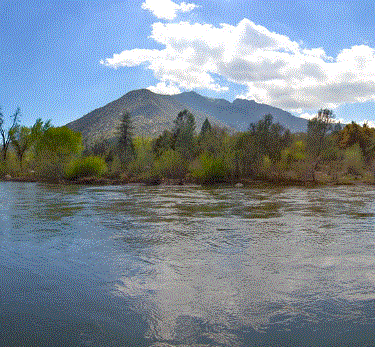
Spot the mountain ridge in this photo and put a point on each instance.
(153, 113)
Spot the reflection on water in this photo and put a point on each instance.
(139, 266)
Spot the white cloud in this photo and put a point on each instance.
(167, 9)
(307, 115)
(370, 123)
(274, 69)
(164, 88)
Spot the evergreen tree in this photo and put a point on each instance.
(163, 143)
(206, 128)
(125, 143)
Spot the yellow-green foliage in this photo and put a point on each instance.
(12, 165)
(295, 152)
(353, 160)
(2, 169)
(170, 165)
(266, 162)
(143, 156)
(209, 169)
(60, 141)
(86, 167)
(55, 149)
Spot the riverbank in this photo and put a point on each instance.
(238, 183)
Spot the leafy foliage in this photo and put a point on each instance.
(206, 128)
(209, 169)
(269, 139)
(143, 156)
(317, 131)
(183, 134)
(23, 138)
(170, 165)
(56, 147)
(86, 167)
(163, 143)
(364, 136)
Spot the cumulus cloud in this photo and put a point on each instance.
(309, 116)
(167, 9)
(273, 68)
(164, 88)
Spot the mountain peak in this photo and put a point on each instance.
(152, 113)
(240, 101)
(191, 94)
(140, 93)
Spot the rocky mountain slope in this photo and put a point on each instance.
(153, 113)
(240, 113)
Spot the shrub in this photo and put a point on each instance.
(86, 167)
(209, 169)
(170, 165)
(353, 162)
(143, 156)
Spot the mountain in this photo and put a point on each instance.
(240, 113)
(153, 113)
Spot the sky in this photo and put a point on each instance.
(62, 59)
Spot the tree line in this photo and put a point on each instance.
(327, 152)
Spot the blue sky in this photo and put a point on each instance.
(61, 59)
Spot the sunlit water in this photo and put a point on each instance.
(188, 266)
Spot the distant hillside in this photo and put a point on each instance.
(240, 113)
(153, 113)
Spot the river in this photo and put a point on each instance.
(186, 266)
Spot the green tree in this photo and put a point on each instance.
(269, 139)
(91, 166)
(318, 129)
(212, 141)
(5, 133)
(163, 143)
(125, 143)
(209, 169)
(318, 141)
(56, 147)
(245, 154)
(206, 128)
(183, 134)
(170, 164)
(143, 156)
(20, 140)
(364, 136)
(23, 138)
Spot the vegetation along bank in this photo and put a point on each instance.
(327, 153)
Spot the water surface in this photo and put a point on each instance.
(189, 266)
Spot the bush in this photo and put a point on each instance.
(353, 162)
(209, 169)
(86, 167)
(143, 156)
(169, 165)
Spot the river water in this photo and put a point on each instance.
(188, 266)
